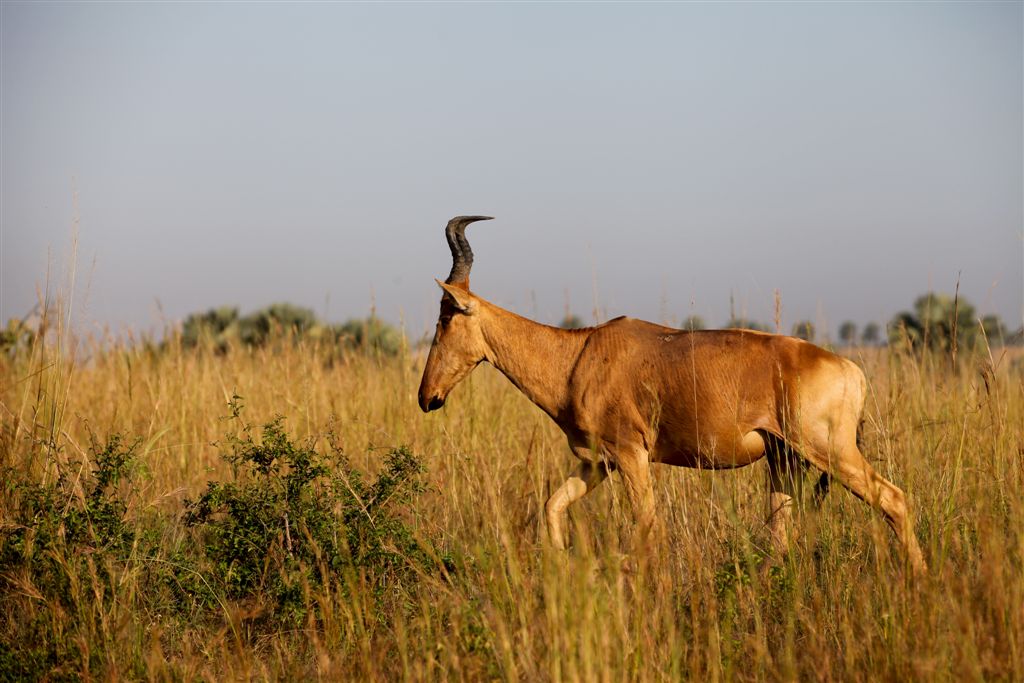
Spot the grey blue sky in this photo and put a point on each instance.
(658, 156)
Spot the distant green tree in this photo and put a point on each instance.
(216, 327)
(871, 334)
(571, 321)
(804, 330)
(848, 332)
(933, 321)
(744, 324)
(694, 322)
(256, 328)
(369, 334)
(995, 330)
(17, 335)
(219, 327)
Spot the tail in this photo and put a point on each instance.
(821, 488)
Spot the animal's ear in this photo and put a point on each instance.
(461, 297)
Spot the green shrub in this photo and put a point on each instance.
(294, 518)
(85, 563)
(64, 542)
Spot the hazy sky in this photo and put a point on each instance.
(658, 156)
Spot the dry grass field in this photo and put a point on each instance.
(131, 594)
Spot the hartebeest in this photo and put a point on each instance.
(628, 393)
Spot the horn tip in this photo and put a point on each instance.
(470, 219)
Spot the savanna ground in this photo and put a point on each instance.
(112, 569)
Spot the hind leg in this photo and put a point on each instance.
(784, 473)
(856, 473)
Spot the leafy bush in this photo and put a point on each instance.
(84, 562)
(53, 516)
(294, 518)
(65, 542)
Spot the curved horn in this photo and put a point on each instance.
(462, 255)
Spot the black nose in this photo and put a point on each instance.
(433, 403)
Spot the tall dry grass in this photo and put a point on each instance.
(840, 607)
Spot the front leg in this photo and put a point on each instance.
(584, 480)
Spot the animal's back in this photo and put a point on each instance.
(696, 394)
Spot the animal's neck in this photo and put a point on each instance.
(536, 358)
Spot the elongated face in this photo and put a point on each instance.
(458, 347)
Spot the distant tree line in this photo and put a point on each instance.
(938, 320)
(221, 327)
(933, 323)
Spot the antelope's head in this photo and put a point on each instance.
(458, 345)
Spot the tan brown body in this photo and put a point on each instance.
(695, 397)
(629, 393)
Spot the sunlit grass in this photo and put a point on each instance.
(840, 607)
